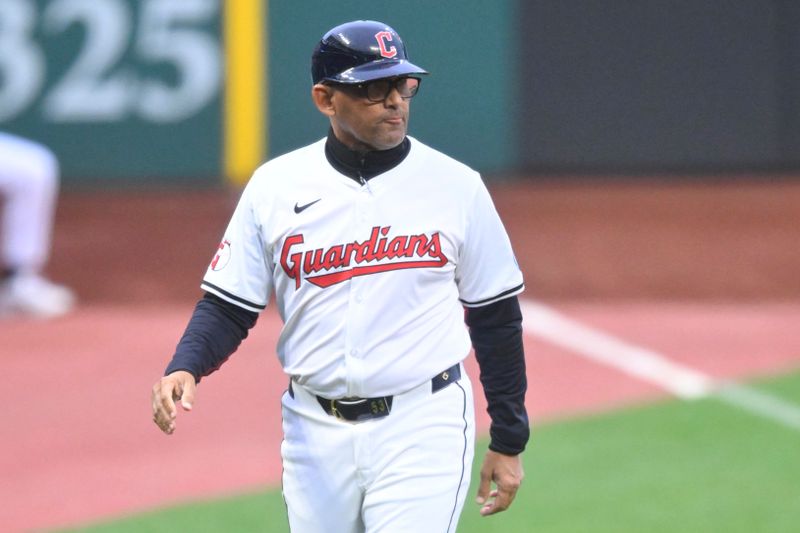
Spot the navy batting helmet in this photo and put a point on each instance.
(360, 51)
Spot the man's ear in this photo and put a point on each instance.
(322, 95)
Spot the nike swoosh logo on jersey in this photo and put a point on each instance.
(300, 208)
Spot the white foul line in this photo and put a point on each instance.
(650, 366)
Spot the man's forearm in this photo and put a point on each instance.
(214, 332)
(496, 333)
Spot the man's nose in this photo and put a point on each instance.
(393, 99)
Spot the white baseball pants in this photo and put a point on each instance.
(28, 187)
(406, 472)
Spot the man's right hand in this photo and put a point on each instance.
(179, 385)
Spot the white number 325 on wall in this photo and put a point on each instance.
(97, 86)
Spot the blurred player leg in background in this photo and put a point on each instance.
(29, 180)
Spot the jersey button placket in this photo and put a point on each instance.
(356, 316)
(364, 208)
(363, 205)
(353, 336)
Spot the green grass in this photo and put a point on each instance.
(676, 466)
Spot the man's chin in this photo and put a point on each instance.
(390, 140)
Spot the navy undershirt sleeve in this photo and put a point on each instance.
(496, 333)
(214, 332)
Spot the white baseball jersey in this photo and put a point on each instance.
(369, 279)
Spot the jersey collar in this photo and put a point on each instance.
(357, 165)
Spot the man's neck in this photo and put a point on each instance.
(360, 165)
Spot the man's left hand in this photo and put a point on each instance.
(506, 473)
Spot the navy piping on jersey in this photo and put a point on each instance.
(233, 296)
(499, 296)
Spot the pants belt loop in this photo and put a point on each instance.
(444, 379)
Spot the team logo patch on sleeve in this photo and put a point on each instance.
(328, 266)
(222, 256)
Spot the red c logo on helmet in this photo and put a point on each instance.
(382, 37)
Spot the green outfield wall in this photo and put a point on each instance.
(464, 107)
(199, 91)
(154, 91)
(120, 89)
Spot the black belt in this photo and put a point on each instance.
(360, 409)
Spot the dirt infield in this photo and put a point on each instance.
(721, 241)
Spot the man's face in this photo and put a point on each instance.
(362, 124)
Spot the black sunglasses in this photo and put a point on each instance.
(378, 90)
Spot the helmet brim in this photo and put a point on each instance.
(375, 70)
